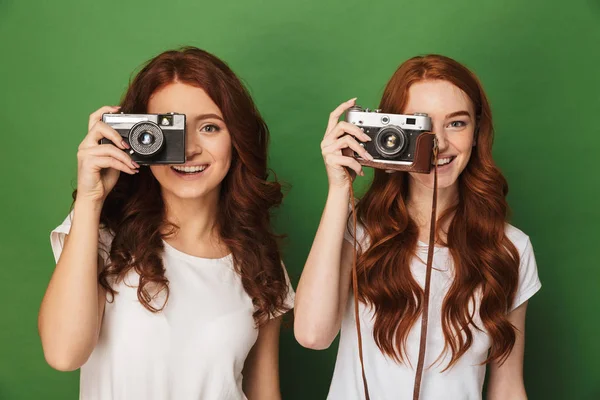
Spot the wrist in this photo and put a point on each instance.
(339, 193)
(88, 205)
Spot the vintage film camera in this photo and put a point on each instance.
(399, 142)
(153, 138)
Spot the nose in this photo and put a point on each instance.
(442, 138)
(192, 145)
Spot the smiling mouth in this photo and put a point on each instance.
(444, 161)
(189, 170)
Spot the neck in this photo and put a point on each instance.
(196, 218)
(419, 202)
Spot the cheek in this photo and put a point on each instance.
(222, 150)
(464, 143)
(159, 171)
(466, 148)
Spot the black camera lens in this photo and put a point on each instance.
(146, 138)
(390, 141)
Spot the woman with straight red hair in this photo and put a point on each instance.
(483, 269)
(169, 282)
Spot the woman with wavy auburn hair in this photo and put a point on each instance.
(484, 270)
(169, 282)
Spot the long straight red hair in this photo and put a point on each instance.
(485, 261)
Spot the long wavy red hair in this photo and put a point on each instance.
(485, 260)
(134, 211)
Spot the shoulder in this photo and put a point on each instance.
(519, 238)
(58, 234)
(529, 281)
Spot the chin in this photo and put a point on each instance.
(189, 193)
(444, 182)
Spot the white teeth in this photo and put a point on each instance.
(444, 161)
(197, 168)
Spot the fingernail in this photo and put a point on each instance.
(116, 106)
(352, 100)
(362, 173)
(124, 144)
(135, 165)
(369, 138)
(368, 156)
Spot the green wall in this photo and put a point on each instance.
(539, 62)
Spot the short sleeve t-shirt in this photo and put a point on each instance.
(194, 348)
(388, 379)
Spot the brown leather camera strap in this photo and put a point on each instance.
(430, 250)
(425, 315)
(355, 292)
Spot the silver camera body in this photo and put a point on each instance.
(152, 138)
(394, 136)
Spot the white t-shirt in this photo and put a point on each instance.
(193, 349)
(389, 380)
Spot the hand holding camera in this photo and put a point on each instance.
(393, 142)
(342, 135)
(99, 165)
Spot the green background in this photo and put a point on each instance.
(539, 62)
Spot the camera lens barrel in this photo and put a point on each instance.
(390, 141)
(146, 138)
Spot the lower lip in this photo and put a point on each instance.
(189, 176)
(445, 167)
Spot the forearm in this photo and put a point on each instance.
(506, 380)
(69, 318)
(318, 308)
(508, 392)
(261, 368)
(267, 392)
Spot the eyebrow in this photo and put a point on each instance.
(458, 113)
(208, 116)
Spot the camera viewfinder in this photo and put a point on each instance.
(165, 120)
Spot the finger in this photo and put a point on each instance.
(344, 127)
(337, 113)
(350, 142)
(97, 115)
(108, 150)
(337, 160)
(110, 162)
(99, 131)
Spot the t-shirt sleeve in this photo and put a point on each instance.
(288, 302)
(529, 281)
(58, 235)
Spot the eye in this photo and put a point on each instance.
(210, 128)
(457, 124)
